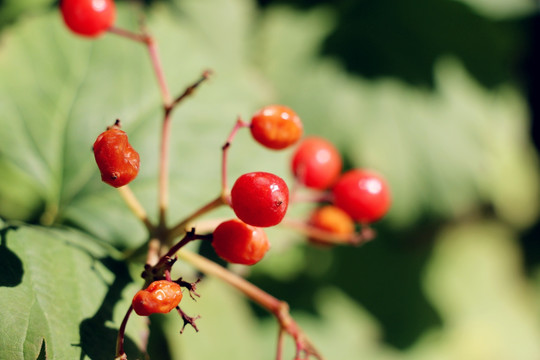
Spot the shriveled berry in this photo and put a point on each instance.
(260, 198)
(363, 194)
(240, 243)
(161, 296)
(276, 127)
(332, 219)
(316, 163)
(88, 17)
(117, 161)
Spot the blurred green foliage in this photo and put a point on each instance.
(430, 93)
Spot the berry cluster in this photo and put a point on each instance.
(356, 196)
(344, 202)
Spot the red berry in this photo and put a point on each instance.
(316, 163)
(332, 219)
(88, 17)
(260, 199)
(117, 161)
(159, 297)
(240, 243)
(276, 127)
(363, 194)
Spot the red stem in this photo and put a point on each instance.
(158, 70)
(279, 344)
(120, 353)
(237, 126)
(164, 168)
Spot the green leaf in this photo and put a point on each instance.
(226, 322)
(502, 8)
(62, 297)
(54, 110)
(475, 279)
(11, 9)
(444, 152)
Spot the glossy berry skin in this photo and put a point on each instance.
(240, 243)
(332, 219)
(276, 127)
(161, 296)
(260, 199)
(88, 17)
(316, 163)
(117, 161)
(363, 194)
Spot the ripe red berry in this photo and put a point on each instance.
(276, 127)
(240, 243)
(316, 163)
(88, 17)
(159, 297)
(332, 219)
(260, 198)
(363, 194)
(117, 161)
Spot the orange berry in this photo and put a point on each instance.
(276, 127)
(161, 296)
(332, 219)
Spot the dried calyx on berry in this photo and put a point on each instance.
(117, 161)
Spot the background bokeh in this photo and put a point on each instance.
(440, 96)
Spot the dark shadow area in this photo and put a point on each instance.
(12, 267)
(532, 76)
(404, 39)
(530, 244)
(98, 341)
(383, 276)
(158, 347)
(43, 351)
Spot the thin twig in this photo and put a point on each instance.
(164, 169)
(180, 228)
(135, 206)
(279, 308)
(190, 89)
(224, 155)
(365, 234)
(120, 353)
(142, 38)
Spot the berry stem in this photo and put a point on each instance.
(180, 228)
(166, 133)
(312, 196)
(135, 206)
(279, 351)
(359, 238)
(158, 69)
(190, 89)
(164, 169)
(225, 150)
(278, 308)
(120, 353)
(154, 248)
(142, 38)
(155, 59)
